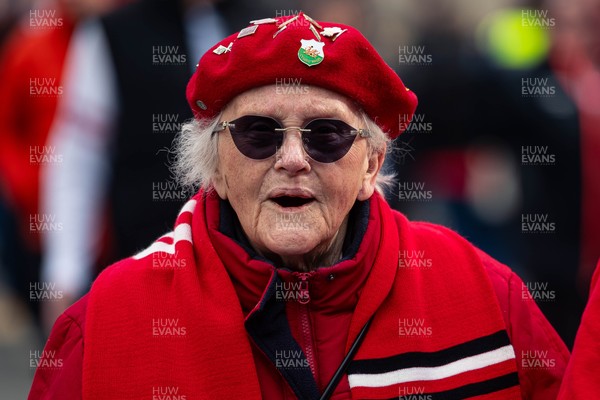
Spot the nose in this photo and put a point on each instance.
(291, 156)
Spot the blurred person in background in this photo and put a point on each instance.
(287, 275)
(31, 66)
(468, 148)
(114, 134)
(576, 58)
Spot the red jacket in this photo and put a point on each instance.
(581, 378)
(319, 328)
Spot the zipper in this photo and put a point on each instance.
(303, 300)
(304, 295)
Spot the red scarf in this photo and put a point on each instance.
(167, 323)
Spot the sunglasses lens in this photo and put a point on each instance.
(328, 139)
(255, 136)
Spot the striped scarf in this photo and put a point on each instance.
(167, 321)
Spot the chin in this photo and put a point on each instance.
(292, 243)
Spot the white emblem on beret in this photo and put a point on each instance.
(264, 21)
(330, 31)
(247, 31)
(222, 49)
(311, 52)
(333, 32)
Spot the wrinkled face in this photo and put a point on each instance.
(290, 205)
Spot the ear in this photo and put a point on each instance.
(374, 164)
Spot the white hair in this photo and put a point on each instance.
(196, 156)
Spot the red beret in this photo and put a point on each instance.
(327, 55)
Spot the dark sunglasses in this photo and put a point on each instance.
(258, 137)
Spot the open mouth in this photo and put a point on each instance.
(292, 201)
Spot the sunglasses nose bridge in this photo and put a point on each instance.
(292, 128)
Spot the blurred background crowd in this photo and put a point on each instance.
(504, 147)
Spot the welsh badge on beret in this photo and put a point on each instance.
(311, 52)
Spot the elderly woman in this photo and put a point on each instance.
(288, 275)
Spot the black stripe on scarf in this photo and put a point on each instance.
(433, 359)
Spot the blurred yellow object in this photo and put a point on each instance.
(515, 38)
